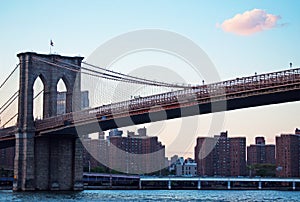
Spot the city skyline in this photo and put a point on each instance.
(235, 52)
(258, 152)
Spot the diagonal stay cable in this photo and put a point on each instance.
(12, 99)
(9, 76)
(38, 94)
(17, 113)
(9, 120)
(9, 102)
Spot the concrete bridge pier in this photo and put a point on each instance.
(24, 176)
(58, 163)
(48, 163)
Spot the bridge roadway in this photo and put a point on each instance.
(252, 91)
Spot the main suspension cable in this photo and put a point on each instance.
(103, 75)
(122, 77)
(125, 77)
(159, 83)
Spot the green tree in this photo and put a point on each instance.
(263, 170)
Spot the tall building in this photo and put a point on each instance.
(61, 101)
(95, 152)
(204, 155)
(221, 156)
(136, 153)
(132, 154)
(287, 155)
(260, 153)
(237, 156)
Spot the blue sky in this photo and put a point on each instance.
(79, 27)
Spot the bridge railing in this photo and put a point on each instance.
(199, 94)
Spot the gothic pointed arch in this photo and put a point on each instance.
(38, 89)
(61, 96)
(33, 67)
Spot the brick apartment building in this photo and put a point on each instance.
(260, 153)
(287, 155)
(221, 156)
(237, 156)
(136, 153)
(95, 152)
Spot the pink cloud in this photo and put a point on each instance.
(250, 22)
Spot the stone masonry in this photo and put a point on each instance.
(52, 162)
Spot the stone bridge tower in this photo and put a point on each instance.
(47, 162)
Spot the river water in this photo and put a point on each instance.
(154, 195)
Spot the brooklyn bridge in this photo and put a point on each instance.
(48, 151)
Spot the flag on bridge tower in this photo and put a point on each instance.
(51, 44)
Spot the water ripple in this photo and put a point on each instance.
(155, 195)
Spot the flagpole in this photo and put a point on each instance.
(51, 44)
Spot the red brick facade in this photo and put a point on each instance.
(221, 156)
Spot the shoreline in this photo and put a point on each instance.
(160, 188)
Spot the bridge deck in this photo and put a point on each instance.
(217, 96)
(264, 89)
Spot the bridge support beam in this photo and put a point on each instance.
(228, 185)
(24, 178)
(199, 184)
(78, 165)
(48, 163)
(259, 185)
(58, 163)
(294, 185)
(169, 184)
